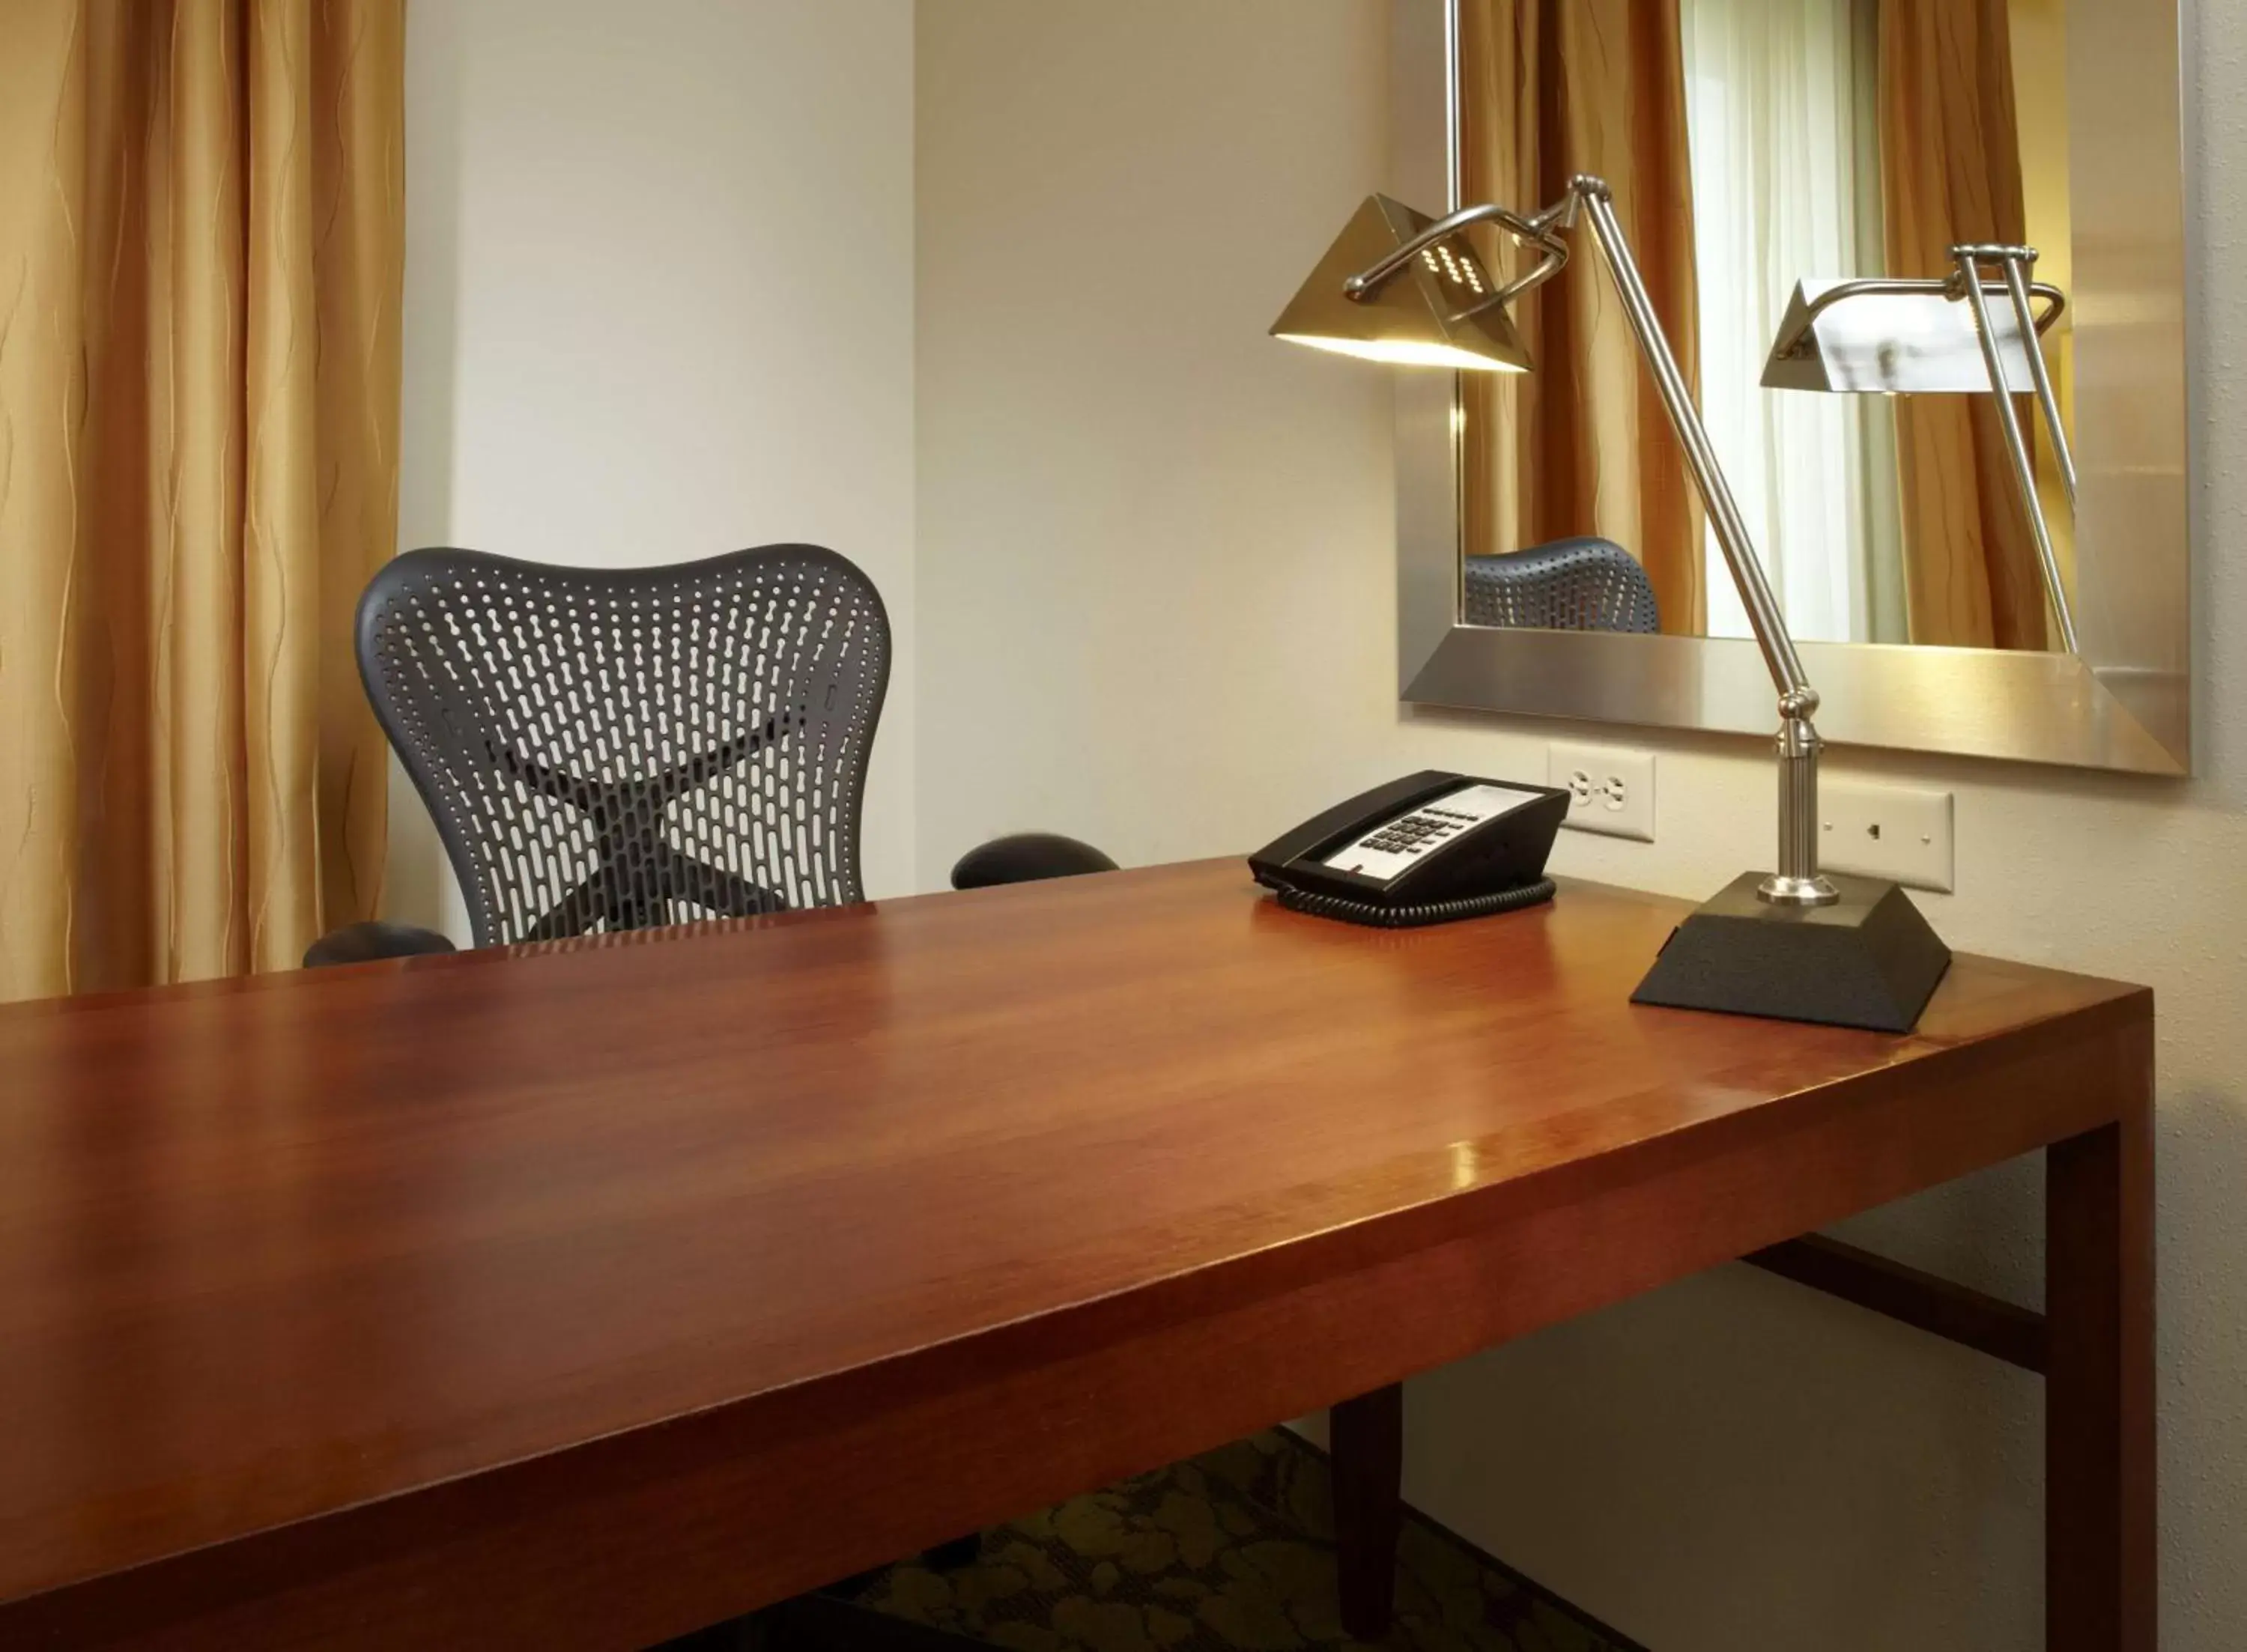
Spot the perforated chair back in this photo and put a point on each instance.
(613, 749)
(1569, 585)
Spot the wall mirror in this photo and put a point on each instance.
(1754, 145)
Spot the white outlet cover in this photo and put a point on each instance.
(1902, 833)
(1613, 788)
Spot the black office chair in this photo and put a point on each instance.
(1568, 584)
(611, 749)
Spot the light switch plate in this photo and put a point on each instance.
(1610, 787)
(1898, 832)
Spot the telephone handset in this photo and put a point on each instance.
(1424, 850)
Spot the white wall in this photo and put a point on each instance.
(659, 306)
(1155, 609)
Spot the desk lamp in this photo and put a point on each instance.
(1898, 336)
(1399, 287)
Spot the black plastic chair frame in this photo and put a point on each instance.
(613, 749)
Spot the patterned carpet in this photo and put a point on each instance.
(1232, 1552)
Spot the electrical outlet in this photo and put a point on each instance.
(1610, 789)
(1898, 832)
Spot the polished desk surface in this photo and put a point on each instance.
(275, 1251)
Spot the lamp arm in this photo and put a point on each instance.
(1764, 615)
(2015, 261)
(1797, 882)
(2021, 288)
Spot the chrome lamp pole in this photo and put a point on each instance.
(1399, 287)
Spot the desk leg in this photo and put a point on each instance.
(2098, 1401)
(1368, 1438)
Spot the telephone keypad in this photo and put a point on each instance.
(1408, 834)
(1388, 851)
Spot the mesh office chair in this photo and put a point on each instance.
(611, 749)
(1569, 585)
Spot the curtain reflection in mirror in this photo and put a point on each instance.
(1951, 173)
(1550, 88)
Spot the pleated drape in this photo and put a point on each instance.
(201, 258)
(1950, 173)
(1551, 88)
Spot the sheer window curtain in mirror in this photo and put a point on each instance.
(1782, 104)
(201, 257)
(1550, 88)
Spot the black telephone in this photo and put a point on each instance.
(1424, 850)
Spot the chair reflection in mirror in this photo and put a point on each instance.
(1568, 584)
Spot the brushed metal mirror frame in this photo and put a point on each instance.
(2125, 704)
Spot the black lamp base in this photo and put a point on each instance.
(1870, 960)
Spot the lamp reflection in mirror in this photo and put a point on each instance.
(1792, 944)
(1942, 336)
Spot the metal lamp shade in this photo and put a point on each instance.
(1438, 311)
(1891, 343)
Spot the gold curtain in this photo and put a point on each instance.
(1551, 88)
(201, 258)
(1950, 172)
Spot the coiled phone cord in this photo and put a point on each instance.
(1442, 912)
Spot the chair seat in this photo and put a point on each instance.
(364, 943)
(1027, 858)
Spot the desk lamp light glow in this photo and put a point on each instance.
(1399, 287)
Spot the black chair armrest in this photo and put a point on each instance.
(363, 943)
(1027, 858)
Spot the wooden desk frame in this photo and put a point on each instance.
(2100, 1558)
(2094, 1348)
(626, 1539)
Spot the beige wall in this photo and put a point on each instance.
(1157, 597)
(659, 306)
(1155, 609)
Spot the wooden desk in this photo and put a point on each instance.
(582, 1297)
